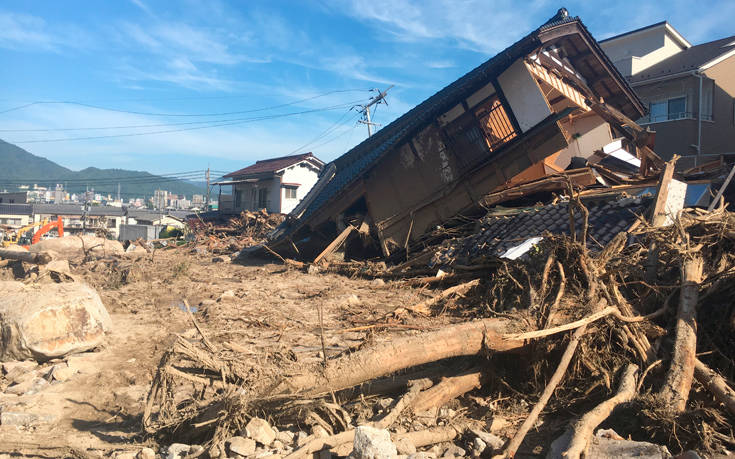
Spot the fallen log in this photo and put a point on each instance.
(388, 357)
(517, 439)
(583, 429)
(38, 258)
(716, 384)
(675, 391)
(448, 389)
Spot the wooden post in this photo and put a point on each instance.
(334, 245)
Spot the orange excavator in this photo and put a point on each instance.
(45, 227)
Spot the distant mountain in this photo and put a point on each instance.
(17, 166)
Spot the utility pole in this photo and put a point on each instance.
(206, 206)
(365, 109)
(118, 192)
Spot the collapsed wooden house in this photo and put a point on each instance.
(544, 106)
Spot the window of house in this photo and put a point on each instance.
(289, 193)
(670, 109)
(262, 198)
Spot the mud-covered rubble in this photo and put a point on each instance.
(236, 233)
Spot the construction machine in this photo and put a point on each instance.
(20, 237)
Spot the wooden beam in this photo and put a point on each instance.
(334, 245)
(658, 214)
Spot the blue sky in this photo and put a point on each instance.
(193, 64)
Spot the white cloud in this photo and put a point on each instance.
(26, 32)
(478, 25)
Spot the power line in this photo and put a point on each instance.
(134, 112)
(324, 133)
(216, 124)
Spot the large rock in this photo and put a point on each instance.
(75, 246)
(259, 430)
(44, 321)
(372, 443)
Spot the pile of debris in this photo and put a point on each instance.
(232, 235)
(607, 337)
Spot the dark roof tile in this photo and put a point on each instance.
(497, 234)
(272, 165)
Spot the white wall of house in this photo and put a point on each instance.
(638, 51)
(524, 95)
(14, 220)
(305, 176)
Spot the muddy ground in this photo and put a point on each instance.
(264, 310)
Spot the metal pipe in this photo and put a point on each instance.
(699, 123)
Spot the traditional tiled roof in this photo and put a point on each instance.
(275, 164)
(498, 233)
(355, 162)
(76, 209)
(15, 209)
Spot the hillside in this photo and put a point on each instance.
(19, 167)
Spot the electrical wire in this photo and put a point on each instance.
(166, 131)
(133, 112)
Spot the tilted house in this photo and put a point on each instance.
(276, 185)
(519, 116)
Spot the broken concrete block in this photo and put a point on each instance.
(478, 446)
(123, 455)
(405, 446)
(372, 443)
(606, 443)
(177, 451)
(227, 295)
(241, 445)
(146, 453)
(11, 418)
(286, 437)
(62, 372)
(454, 451)
(50, 320)
(221, 259)
(259, 430)
(16, 369)
(29, 387)
(492, 440)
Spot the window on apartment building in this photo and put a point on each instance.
(669, 109)
(289, 192)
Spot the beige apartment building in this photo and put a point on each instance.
(689, 90)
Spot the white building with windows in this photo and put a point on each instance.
(276, 185)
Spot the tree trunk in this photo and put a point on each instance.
(675, 391)
(39, 258)
(388, 357)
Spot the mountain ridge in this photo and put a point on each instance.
(20, 167)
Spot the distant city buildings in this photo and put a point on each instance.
(161, 199)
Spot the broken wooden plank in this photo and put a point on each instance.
(334, 245)
(658, 213)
